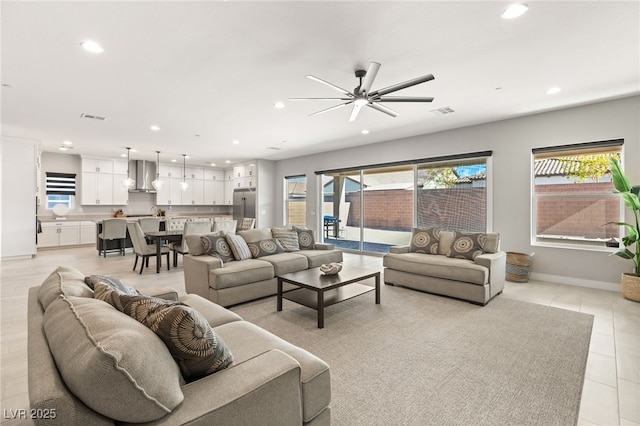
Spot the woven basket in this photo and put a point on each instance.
(631, 287)
(518, 267)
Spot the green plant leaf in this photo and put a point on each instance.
(624, 253)
(631, 200)
(620, 181)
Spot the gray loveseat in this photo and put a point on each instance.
(477, 278)
(90, 364)
(237, 281)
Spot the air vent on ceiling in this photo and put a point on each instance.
(442, 111)
(93, 117)
(274, 148)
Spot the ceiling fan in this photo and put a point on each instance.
(362, 95)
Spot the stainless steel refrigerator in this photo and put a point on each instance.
(244, 203)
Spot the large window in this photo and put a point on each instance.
(296, 202)
(61, 189)
(573, 199)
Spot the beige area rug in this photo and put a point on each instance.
(420, 359)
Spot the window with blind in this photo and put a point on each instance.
(573, 197)
(60, 189)
(296, 201)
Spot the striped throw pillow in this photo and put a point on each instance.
(239, 247)
(287, 238)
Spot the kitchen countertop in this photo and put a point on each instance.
(100, 218)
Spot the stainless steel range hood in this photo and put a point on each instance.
(144, 173)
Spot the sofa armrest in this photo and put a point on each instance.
(399, 249)
(324, 246)
(496, 263)
(196, 273)
(167, 293)
(264, 389)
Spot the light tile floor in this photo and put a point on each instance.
(611, 393)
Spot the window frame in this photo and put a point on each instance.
(614, 145)
(286, 198)
(60, 185)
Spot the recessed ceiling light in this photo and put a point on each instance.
(63, 148)
(365, 132)
(123, 155)
(514, 11)
(67, 143)
(228, 161)
(134, 150)
(279, 105)
(236, 142)
(553, 90)
(92, 46)
(213, 164)
(154, 128)
(174, 160)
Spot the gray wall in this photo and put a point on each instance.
(511, 141)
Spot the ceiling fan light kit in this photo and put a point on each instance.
(363, 96)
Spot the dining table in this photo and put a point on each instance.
(158, 237)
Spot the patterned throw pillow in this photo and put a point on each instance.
(196, 347)
(217, 246)
(425, 240)
(466, 245)
(112, 282)
(238, 246)
(288, 239)
(305, 238)
(265, 248)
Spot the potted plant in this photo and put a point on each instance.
(630, 194)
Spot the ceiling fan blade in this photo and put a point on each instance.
(320, 99)
(333, 86)
(404, 99)
(382, 108)
(330, 109)
(372, 71)
(355, 111)
(401, 86)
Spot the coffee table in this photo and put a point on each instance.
(318, 291)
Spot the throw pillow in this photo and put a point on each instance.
(425, 240)
(466, 245)
(238, 246)
(265, 248)
(66, 281)
(192, 342)
(287, 238)
(112, 282)
(491, 242)
(305, 238)
(195, 243)
(217, 246)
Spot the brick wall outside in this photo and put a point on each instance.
(297, 213)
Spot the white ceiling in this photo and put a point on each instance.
(215, 69)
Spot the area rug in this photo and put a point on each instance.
(421, 359)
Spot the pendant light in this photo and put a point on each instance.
(184, 185)
(157, 184)
(128, 182)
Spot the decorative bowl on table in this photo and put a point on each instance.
(331, 268)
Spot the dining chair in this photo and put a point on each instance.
(149, 224)
(112, 229)
(204, 219)
(142, 249)
(228, 226)
(176, 223)
(247, 223)
(193, 227)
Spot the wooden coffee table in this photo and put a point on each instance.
(318, 291)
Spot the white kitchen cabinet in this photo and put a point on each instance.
(228, 187)
(210, 174)
(88, 232)
(170, 171)
(96, 189)
(245, 176)
(102, 182)
(55, 234)
(120, 192)
(170, 194)
(194, 194)
(97, 165)
(214, 192)
(121, 167)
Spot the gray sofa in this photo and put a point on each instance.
(90, 364)
(476, 281)
(240, 281)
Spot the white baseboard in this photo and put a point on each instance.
(579, 282)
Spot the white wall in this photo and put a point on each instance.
(511, 142)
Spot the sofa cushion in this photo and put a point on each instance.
(217, 246)
(425, 240)
(195, 243)
(257, 234)
(249, 341)
(239, 247)
(240, 272)
(265, 248)
(287, 237)
(446, 238)
(110, 361)
(194, 345)
(114, 283)
(284, 263)
(466, 245)
(64, 280)
(306, 240)
(214, 314)
(319, 257)
(438, 266)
